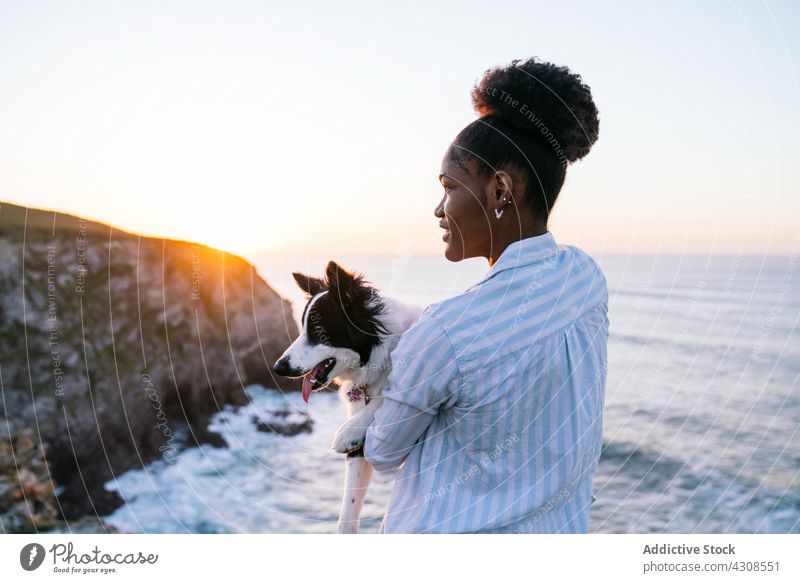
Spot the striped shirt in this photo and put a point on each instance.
(493, 408)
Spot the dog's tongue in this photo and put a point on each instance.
(307, 385)
(308, 380)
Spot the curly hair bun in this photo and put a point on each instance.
(541, 98)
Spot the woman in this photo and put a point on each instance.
(496, 396)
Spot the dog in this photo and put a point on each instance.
(348, 332)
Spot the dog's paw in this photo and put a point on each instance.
(348, 438)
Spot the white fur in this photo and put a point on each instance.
(357, 476)
(397, 318)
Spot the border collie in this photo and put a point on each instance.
(348, 332)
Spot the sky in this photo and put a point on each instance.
(319, 127)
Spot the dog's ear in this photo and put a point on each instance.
(342, 281)
(311, 285)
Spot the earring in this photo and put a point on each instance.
(499, 212)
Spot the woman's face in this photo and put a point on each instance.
(462, 212)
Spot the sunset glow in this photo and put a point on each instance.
(236, 129)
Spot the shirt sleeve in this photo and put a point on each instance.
(424, 379)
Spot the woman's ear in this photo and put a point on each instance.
(311, 285)
(501, 187)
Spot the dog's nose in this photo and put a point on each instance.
(282, 366)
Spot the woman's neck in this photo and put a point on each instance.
(499, 245)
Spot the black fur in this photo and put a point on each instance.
(344, 317)
(356, 452)
(311, 285)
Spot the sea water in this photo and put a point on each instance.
(700, 429)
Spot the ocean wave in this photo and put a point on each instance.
(641, 490)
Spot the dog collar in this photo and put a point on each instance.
(356, 393)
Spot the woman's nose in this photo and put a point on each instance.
(438, 212)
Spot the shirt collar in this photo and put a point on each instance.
(524, 252)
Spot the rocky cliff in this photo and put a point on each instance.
(115, 349)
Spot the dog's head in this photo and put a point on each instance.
(340, 327)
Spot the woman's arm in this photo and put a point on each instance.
(425, 378)
(394, 431)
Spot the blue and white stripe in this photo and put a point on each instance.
(495, 400)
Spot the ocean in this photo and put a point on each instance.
(700, 427)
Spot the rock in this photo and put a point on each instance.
(86, 525)
(28, 502)
(284, 422)
(111, 344)
(27, 496)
